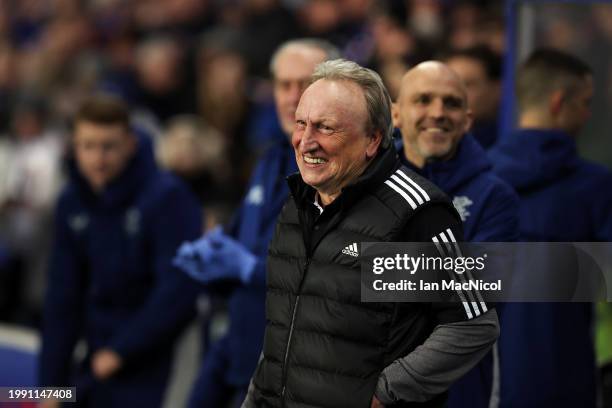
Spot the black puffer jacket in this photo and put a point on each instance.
(323, 347)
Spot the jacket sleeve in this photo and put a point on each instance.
(499, 220)
(446, 355)
(460, 339)
(171, 304)
(62, 316)
(258, 279)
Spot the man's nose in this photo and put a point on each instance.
(98, 156)
(309, 140)
(436, 109)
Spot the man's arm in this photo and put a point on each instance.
(171, 303)
(62, 318)
(499, 221)
(447, 354)
(459, 340)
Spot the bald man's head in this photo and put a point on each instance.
(431, 111)
(432, 69)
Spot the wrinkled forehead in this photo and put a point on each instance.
(341, 100)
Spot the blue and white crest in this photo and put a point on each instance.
(461, 203)
(255, 195)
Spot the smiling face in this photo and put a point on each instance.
(332, 146)
(431, 112)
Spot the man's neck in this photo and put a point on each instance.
(414, 159)
(535, 120)
(325, 199)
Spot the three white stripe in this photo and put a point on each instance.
(407, 188)
(447, 237)
(415, 196)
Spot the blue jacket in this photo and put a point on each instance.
(253, 226)
(546, 350)
(489, 210)
(487, 205)
(111, 279)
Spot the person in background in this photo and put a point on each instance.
(30, 181)
(479, 68)
(546, 349)
(434, 117)
(238, 253)
(111, 281)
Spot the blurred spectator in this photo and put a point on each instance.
(178, 16)
(480, 69)
(393, 49)
(30, 177)
(117, 226)
(426, 20)
(266, 25)
(161, 77)
(474, 22)
(198, 154)
(223, 97)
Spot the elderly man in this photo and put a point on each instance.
(323, 347)
(238, 255)
(433, 115)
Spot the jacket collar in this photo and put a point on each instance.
(450, 175)
(532, 157)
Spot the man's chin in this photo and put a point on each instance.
(312, 180)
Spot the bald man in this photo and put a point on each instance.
(434, 118)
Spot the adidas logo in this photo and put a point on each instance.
(351, 250)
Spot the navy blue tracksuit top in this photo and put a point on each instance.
(112, 283)
(546, 349)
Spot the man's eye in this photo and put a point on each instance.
(453, 103)
(300, 124)
(423, 99)
(325, 129)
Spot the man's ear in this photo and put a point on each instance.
(373, 144)
(469, 121)
(132, 141)
(395, 114)
(555, 102)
